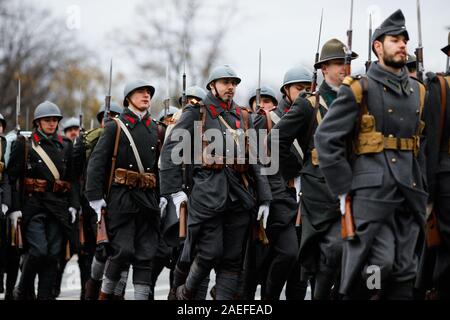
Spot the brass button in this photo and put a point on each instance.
(414, 184)
(391, 136)
(131, 166)
(300, 194)
(390, 110)
(394, 160)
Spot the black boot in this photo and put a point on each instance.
(184, 293)
(92, 289)
(48, 274)
(30, 268)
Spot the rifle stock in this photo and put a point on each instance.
(81, 231)
(183, 221)
(347, 224)
(432, 231)
(102, 235)
(262, 233)
(298, 220)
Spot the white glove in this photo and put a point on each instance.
(14, 216)
(177, 199)
(73, 213)
(263, 212)
(162, 205)
(4, 208)
(97, 205)
(298, 187)
(342, 202)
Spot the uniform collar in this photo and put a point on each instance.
(217, 107)
(283, 106)
(38, 137)
(131, 119)
(397, 83)
(328, 94)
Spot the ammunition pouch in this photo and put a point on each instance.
(40, 185)
(134, 179)
(35, 185)
(371, 141)
(219, 163)
(60, 186)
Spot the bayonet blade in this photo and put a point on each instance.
(110, 77)
(259, 70)
(320, 33)
(419, 23)
(19, 89)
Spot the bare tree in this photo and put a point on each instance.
(178, 32)
(38, 48)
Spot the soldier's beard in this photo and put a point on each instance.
(389, 60)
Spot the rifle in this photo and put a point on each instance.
(347, 224)
(102, 235)
(258, 89)
(419, 50)
(348, 49)
(108, 96)
(183, 221)
(314, 90)
(369, 59)
(80, 114)
(167, 99)
(184, 97)
(18, 107)
(81, 229)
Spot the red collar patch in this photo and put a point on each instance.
(36, 137)
(213, 110)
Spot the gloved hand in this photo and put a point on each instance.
(14, 216)
(263, 212)
(73, 213)
(4, 208)
(162, 205)
(342, 202)
(97, 205)
(177, 199)
(298, 187)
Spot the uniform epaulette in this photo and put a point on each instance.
(348, 81)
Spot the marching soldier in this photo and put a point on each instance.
(221, 203)
(320, 249)
(71, 129)
(437, 115)
(380, 180)
(133, 214)
(5, 203)
(280, 228)
(43, 168)
(93, 257)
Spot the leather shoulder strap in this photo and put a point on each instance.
(133, 145)
(443, 105)
(47, 160)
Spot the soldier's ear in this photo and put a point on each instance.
(378, 47)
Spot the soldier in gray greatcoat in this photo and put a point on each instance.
(383, 174)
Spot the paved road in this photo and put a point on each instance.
(70, 287)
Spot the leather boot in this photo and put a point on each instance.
(104, 296)
(26, 283)
(47, 278)
(184, 293)
(92, 289)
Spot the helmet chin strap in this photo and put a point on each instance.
(216, 94)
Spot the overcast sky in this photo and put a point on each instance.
(285, 30)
